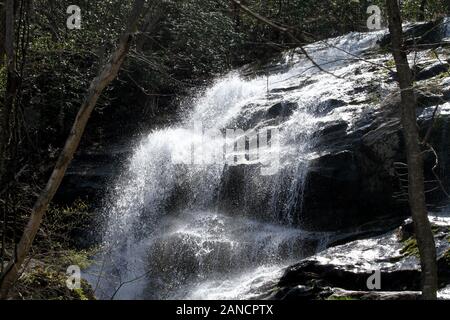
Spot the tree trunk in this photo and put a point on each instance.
(7, 112)
(109, 73)
(424, 235)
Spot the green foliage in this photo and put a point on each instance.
(61, 223)
(81, 258)
(412, 9)
(410, 247)
(200, 35)
(101, 24)
(80, 294)
(61, 63)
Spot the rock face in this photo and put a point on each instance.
(342, 272)
(360, 171)
(356, 175)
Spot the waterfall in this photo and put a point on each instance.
(210, 229)
(445, 29)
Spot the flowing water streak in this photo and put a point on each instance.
(166, 237)
(446, 29)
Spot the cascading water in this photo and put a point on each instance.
(211, 230)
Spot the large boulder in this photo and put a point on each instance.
(342, 272)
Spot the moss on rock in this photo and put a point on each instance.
(410, 247)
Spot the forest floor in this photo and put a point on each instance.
(59, 245)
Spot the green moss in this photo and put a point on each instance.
(435, 229)
(390, 64)
(80, 293)
(410, 247)
(446, 256)
(432, 55)
(443, 75)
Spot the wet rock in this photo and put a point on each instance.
(332, 132)
(357, 173)
(348, 277)
(353, 181)
(282, 109)
(432, 71)
(326, 106)
(446, 94)
(302, 84)
(428, 34)
(445, 84)
(340, 294)
(300, 293)
(341, 272)
(425, 100)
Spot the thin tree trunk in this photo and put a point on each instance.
(424, 235)
(7, 112)
(2, 36)
(105, 76)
